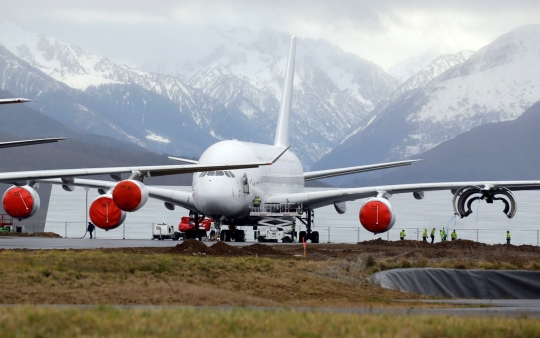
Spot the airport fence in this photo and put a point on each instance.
(327, 234)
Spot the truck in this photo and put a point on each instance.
(269, 233)
(164, 231)
(6, 222)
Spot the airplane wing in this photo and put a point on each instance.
(176, 197)
(30, 142)
(15, 100)
(143, 171)
(314, 175)
(321, 198)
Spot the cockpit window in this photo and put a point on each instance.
(211, 173)
(202, 174)
(232, 175)
(220, 173)
(227, 174)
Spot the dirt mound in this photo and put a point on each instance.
(378, 241)
(223, 249)
(518, 248)
(461, 244)
(404, 243)
(47, 235)
(35, 234)
(192, 247)
(262, 250)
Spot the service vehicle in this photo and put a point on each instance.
(164, 231)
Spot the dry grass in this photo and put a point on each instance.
(113, 277)
(20, 321)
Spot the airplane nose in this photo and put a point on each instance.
(215, 197)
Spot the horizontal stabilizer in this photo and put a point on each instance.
(314, 175)
(179, 159)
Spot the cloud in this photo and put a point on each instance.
(385, 32)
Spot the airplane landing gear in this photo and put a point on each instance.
(308, 221)
(218, 234)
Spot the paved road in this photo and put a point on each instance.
(520, 311)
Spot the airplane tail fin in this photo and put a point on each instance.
(284, 120)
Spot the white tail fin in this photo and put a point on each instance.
(284, 120)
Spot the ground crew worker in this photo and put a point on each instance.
(424, 235)
(256, 202)
(454, 235)
(432, 235)
(402, 235)
(442, 235)
(508, 237)
(293, 227)
(90, 228)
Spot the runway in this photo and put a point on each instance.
(35, 243)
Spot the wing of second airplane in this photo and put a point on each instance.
(30, 142)
(143, 171)
(14, 100)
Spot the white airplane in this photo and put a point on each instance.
(230, 174)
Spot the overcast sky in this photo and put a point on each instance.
(386, 32)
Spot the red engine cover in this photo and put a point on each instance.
(21, 202)
(207, 223)
(187, 225)
(105, 214)
(130, 195)
(376, 215)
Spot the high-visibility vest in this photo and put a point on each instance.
(425, 233)
(433, 232)
(454, 235)
(508, 235)
(402, 234)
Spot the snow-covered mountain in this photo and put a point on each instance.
(440, 65)
(333, 90)
(497, 83)
(232, 93)
(410, 66)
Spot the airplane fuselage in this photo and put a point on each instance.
(219, 193)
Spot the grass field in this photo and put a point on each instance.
(333, 276)
(18, 321)
(114, 277)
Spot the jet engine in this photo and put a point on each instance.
(377, 215)
(105, 214)
(130, 195)
(21, 202)
(464, 198)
